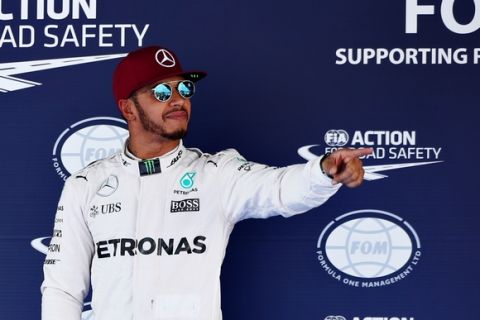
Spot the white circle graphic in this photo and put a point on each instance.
(87, 141)
(368, 247)
(90, 144)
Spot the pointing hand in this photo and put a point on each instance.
(344, 166)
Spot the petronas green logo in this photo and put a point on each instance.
(149, 166)
(187, 180)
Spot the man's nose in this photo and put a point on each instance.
(177, 99)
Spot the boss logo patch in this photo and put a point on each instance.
(187, 205)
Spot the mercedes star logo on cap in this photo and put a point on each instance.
(165, 58)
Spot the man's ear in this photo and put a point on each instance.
(126, 107)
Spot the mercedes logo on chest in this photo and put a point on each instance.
(108, 186)
(165, 58)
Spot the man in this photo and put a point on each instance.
(150, 225)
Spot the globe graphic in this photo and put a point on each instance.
(368, 247)
(90, 144)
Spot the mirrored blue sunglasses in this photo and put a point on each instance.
(164, 91)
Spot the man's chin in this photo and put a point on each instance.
(175, 135)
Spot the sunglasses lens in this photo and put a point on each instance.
(186, 88)
(162, 92)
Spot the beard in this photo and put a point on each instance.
(150, 126)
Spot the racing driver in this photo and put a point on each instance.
(148, 226)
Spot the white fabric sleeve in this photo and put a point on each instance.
(252, 190)
(67, 265)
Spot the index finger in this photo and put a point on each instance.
(356, 153)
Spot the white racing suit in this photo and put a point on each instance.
(151, 235)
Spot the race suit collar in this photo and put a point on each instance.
(141, 167)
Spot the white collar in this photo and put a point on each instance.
(143, 167)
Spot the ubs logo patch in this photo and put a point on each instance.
(105, 209)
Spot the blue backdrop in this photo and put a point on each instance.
(275, 85)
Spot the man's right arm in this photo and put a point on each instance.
(67, 265)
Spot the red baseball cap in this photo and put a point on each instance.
(145, 66)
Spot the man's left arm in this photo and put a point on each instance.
(251, 190)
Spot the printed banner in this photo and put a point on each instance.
(287, 82)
